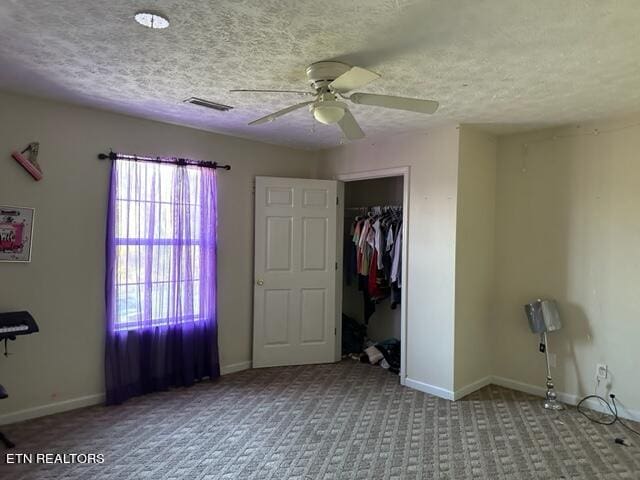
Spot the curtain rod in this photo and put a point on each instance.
(169, 160)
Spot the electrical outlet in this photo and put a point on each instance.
(552, 360)
(602, 370)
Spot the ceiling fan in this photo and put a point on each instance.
(331, 81)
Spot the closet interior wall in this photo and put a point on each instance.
(384, 323)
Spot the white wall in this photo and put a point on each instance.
(568, 227)
(474, 256)
(433, 158)
(63, 285)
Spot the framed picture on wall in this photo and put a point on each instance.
(16, 230)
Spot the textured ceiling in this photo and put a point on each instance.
(503, 64)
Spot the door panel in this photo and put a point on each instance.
(313, 315)
(279, 197)
(295, 308)
(276, 308)
(315, 198)
(278, 247)
(314, 244)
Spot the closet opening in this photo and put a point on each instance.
(373, 269)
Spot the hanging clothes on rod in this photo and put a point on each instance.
(373, 254)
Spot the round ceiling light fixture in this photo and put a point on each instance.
(151, 20)
(328, 112)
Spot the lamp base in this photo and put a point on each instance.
(551, 401)
(553, 405)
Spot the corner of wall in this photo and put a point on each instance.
(475, 241)
(578, 186)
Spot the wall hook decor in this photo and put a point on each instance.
(30, 164)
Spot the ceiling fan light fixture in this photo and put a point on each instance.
(152, 20)
(330, 81)
(328, 112)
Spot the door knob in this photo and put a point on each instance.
(259, 283)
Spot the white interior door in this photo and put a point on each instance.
(294, 307)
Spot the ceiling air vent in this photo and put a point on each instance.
(207, 104)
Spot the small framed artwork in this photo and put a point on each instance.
(16, 230)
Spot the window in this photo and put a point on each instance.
(163, 242)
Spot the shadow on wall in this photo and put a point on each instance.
(575, 333)
(577, 185)
(543, 246)
(533, 249)
(567, 228)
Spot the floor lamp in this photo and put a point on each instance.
(543, 318)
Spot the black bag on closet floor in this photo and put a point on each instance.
(353, 334)
(390, 350)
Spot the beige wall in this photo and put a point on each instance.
(568, 227)
(474, 256)
(433, 158)
(63, 285)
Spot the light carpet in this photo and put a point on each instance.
(340, 421)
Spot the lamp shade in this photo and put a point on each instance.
(543, 316)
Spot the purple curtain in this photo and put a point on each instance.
(160, 278)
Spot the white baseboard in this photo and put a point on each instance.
(430, 389)
(568, 398)
(443, 392)
(86, 401)
(472, 387)
(536, 390)
(51, 408)
(234, 367)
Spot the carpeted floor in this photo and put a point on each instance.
(343, 421)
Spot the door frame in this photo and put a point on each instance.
(405, 173)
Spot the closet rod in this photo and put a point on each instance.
(168, 160)
(391, 207)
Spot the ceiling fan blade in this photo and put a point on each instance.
(279, 113)
(248, 90)
(350, 127)
(399, 103)
(355, 77)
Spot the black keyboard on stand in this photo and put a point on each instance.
(13, 324)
